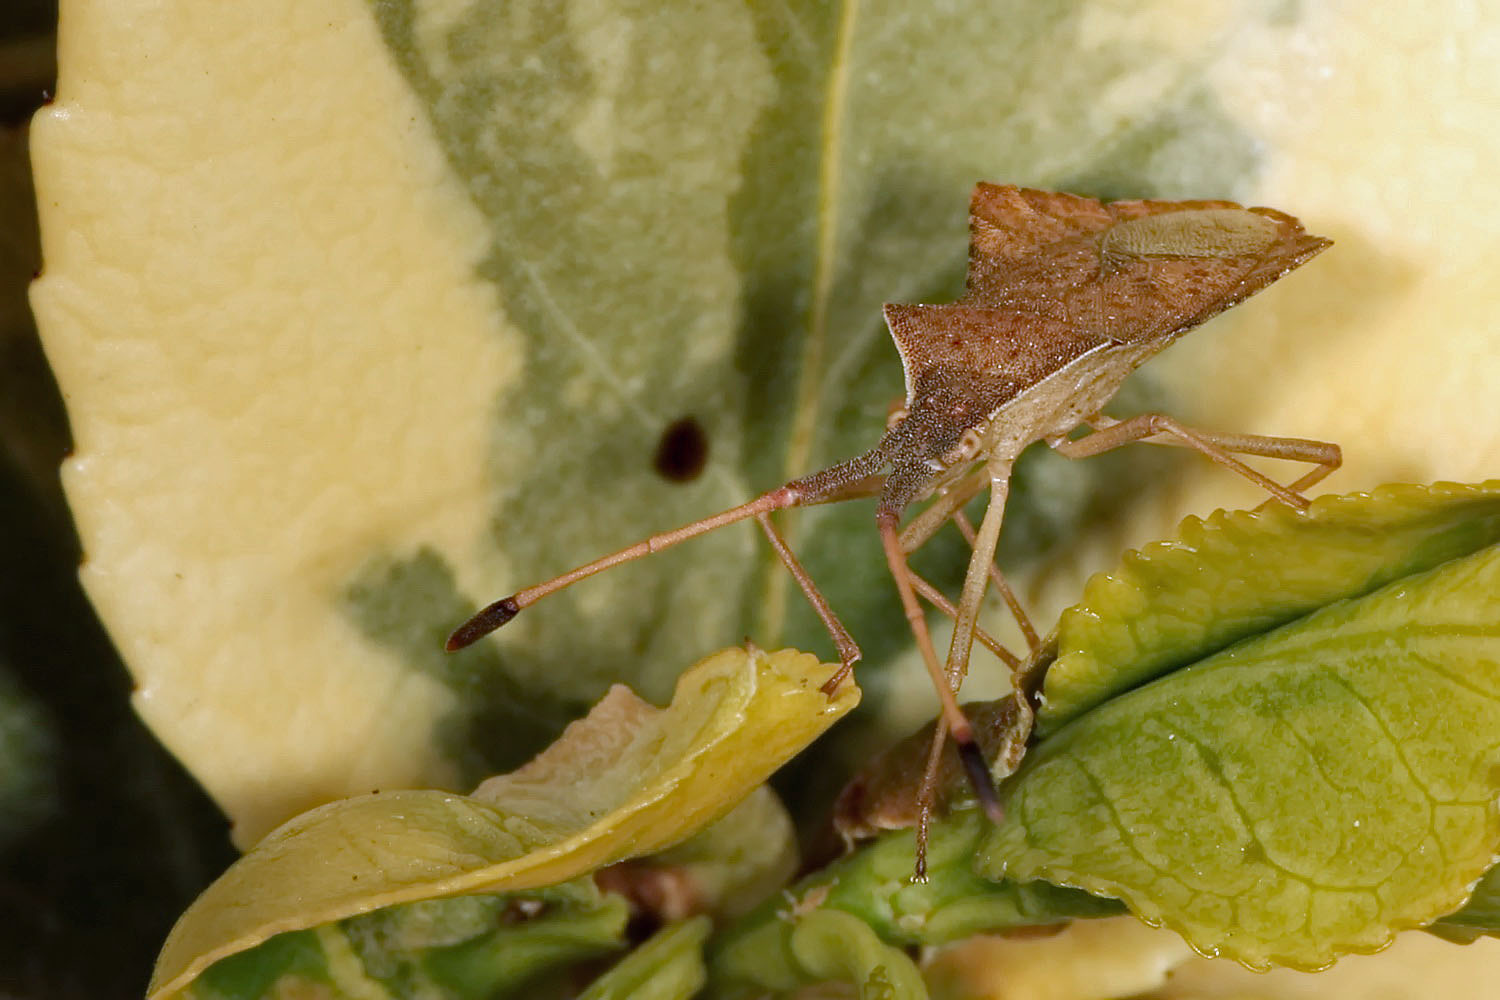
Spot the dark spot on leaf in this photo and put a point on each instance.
(682, 451)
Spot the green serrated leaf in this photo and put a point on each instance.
(1301, 795)
(626, 781)
(1237, 573)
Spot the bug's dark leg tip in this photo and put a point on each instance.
(482, 624)
(984, 784)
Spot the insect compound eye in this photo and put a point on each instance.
(968, 446)
(682, 451)
(895, 414)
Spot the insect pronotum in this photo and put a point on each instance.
(1065, 297)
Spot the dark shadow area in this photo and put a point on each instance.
(104, 838)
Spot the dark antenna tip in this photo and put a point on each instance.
(979, 777)
(482, 624)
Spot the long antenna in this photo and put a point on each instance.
(502, 611)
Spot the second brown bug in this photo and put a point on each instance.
(1065, 297)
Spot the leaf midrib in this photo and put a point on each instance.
(805, 412)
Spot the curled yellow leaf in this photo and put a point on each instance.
(628, 780)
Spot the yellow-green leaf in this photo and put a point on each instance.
(626, 781)
(1237, 573)
(1304, 794)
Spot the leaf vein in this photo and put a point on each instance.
(1128, 839)
(1380, 723)
(589, 349)
(796, 30)
(1215, 771)
(830, 188)
(1433, 666)
(810, 384)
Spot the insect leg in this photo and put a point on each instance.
(998, 581)
(926, 524)
(937, 599)
(927, 795)
(948, 682)
(963, 734)
(847, 648)
(1217, 446)
(503, 610)
(976, 578)
(1324, 456)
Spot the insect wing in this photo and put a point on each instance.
(1009, 226)
(1126, 270)
(1165, 271)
